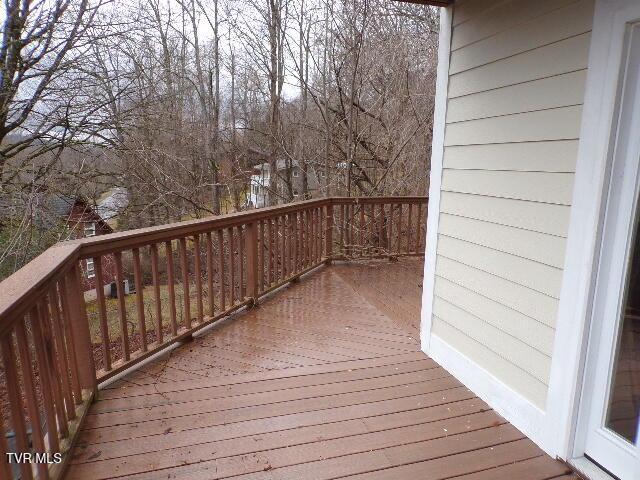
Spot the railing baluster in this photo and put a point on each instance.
(261, 259)
(419, 230)
(137, 277)
(363, 227)
(318, 235)
(171, 288)
(313, 238)
(68, 334)
(49, 351)
(198, 274)
(221, 269)
(293, 221)
(276, 250)
(15, 401)
(409, 215)
(251, 239)
(5, 469)
(58, 343)
(300, 235)
(310, 228)
(184, 266)
(269, 262)
(122, 310)
(390, 225)
(102, 313)
(45, 379)
(26, 368)
(329, 235)
(212, 305)
(286, 246)
(282, 247)
(372, 227)
(232, 269)
(351, 226)
(155, 279)
(242, 291)
(310, 236)
(79, 326)
(399, 228)
(341, 230)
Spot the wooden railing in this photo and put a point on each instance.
(58, 344)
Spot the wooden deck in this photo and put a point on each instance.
(323, 380)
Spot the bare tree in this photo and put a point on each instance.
(41, 45)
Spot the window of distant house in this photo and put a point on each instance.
(256, 189)
(295, 173)
(295, 193)
(91, 269)
(89, 229)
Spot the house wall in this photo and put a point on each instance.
(516, 83)
(78, 217)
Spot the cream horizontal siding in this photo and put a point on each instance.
(557, 25)
(559, 91)
(527, 329)
(509, 15)
(568, 55)
(545, 156)
(517, 352)
(553, 124)
(466, 10)
(501, 368)
(537, 247)
(534, 275)
(537, 217)
(534, 304)
(544, 187)
(516, 85)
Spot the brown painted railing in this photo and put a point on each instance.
(57, 343)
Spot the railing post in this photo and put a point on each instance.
(80, 330)
(329, 232)
(251, 247)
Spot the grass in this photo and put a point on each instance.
(131, 309)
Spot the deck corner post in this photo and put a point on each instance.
(251, 247)
(329, 232)
(80, 331)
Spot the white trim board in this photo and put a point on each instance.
(435, 176)
(523, 414)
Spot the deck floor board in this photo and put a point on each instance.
(323, 380)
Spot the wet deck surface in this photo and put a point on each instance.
(323, 380)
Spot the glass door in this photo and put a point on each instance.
(612, 389)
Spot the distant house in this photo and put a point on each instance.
(112, 203)
(261, 177)
(82, 220)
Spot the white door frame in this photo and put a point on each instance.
(600, 443)
(585, 229)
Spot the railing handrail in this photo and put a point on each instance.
(170, 231)
(130, 238)
(18, 289)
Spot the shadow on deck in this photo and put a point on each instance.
(323, 380)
